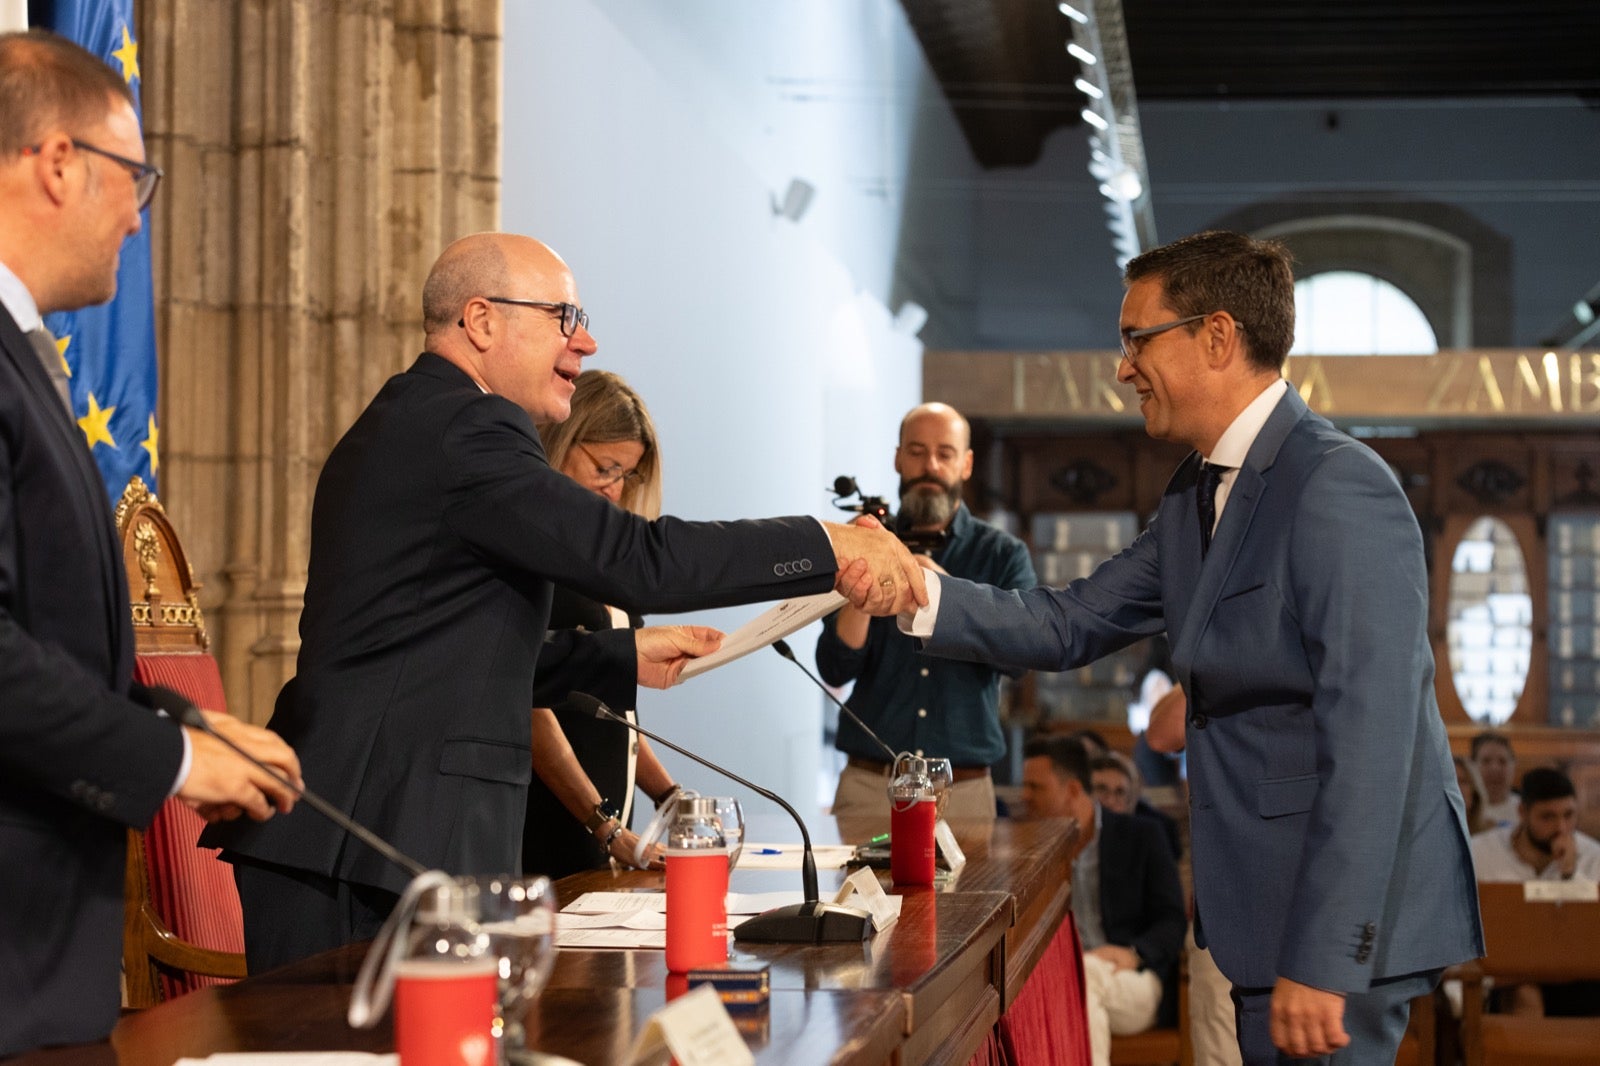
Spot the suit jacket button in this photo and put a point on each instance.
(1198, 720)
(106, 801)
(79, 789)
(1363, 954)
(1370, 930)
(805, 566)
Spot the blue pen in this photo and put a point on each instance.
(768, 851)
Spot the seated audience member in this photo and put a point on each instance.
(1471, 786)
(1544, 845)
(1117, 786)
(1497, 768)
(1126, 898)
(586, 769)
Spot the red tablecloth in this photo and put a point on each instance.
(1047, 1024)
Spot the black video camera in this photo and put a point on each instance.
(921, 542)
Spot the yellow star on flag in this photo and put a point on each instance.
(128, 56)
(151, 443)
(96, 425)
(61, 348)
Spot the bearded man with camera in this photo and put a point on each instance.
(938, 708)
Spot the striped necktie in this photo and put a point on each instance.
(44, 346)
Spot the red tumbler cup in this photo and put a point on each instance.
(911, 846)
(697, 908)
(444, 1011)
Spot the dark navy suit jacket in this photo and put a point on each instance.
(436, 533)
(81, 760)
(1141, 899)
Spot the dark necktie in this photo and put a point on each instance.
(1205, 501)
(44, 345)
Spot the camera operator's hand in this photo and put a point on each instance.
(877, 574)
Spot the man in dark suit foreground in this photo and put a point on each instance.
(1331, 874)
(82, 757)
(1126, 897)
(436, 532)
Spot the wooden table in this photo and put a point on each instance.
(928, 990)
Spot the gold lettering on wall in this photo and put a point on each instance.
(1484, 383)
(1313, 385)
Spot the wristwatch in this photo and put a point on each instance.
(603, 814)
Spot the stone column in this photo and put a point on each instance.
(319, 154)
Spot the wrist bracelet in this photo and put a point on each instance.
(612, 837)
(658, 800)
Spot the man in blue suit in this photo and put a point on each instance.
(1332, 875)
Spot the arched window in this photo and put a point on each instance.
(1345, 312)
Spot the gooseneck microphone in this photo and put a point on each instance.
(185, 712)
(782, 648)
(810, 922)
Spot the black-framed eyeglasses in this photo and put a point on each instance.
(145, 176)
(1133, 339)
(606, 476)
(572, 316)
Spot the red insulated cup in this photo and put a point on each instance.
(913, 810)
(697, 887)
(444, 1011)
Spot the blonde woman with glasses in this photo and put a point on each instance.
(586, 771)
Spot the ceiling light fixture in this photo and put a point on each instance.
(1116, 145)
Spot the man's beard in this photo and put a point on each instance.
(1541, 846)
(919, 510)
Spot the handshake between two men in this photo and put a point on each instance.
(876, 573)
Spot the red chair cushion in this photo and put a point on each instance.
(191, 889)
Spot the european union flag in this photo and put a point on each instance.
(110, 350)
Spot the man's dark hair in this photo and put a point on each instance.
(1111, 762)
(1217, 270)
(1092, 741)
(1068, 756)
(47, 82)
(1491, 737)
(1543, 783)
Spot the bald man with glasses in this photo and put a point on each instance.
(437, 532)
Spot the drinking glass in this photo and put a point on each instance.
(518, 915)
(942, 774)
(731, 815)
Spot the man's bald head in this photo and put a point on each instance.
(944, 412)
(493, 305)
(484, 264)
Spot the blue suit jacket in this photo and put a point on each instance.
(1329, 836)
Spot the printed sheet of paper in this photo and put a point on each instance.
(626, 906)
(774, 624)
(792, 856)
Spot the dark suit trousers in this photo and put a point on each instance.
(293, 914)
(1375, 1021)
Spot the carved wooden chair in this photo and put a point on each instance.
(182, 926)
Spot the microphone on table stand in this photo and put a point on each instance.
(180, 708)
(782, 648)
(810, 922)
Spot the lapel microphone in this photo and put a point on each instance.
(782, 648)
(182, 710)
(810, 922)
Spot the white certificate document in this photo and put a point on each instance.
(775, 623)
